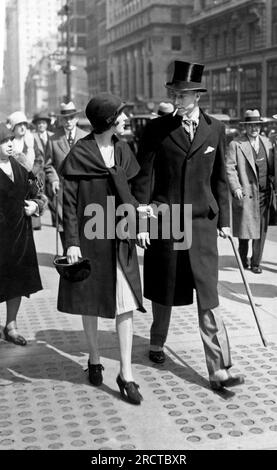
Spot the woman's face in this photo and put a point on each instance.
(120, 123)
(6, 149)
(20, 129)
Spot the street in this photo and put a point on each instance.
(46, 401)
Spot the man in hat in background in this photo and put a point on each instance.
(165, 108)
(182, 162)
(250, 168)
(60, 144)
(42, 145)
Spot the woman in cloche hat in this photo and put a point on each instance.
(19, 199)
(98, 168)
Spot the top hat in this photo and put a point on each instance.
(42, 116)
(18, 117)
(74, 272)
(186, 77)
(68, 109)
(165, 108)
(102, 111)
(252, 116)
(5, 133)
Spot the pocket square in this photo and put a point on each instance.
(208, 150)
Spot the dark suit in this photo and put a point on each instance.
(176, 171)
(58, 150)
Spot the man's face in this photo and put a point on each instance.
(253, 130)
(69, 122)
(120, 123)
(185, 101)
(20, 129)
(42, 125)
(6, 148)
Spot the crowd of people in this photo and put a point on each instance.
(182, 160)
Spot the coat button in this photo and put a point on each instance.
(250, 197)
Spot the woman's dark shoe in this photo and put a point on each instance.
(157, 356)
(129, 391)
(95, 374)
(13, 336)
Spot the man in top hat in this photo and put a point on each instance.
(60, 144)
(182, 162)
(250, 170)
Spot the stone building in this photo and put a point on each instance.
(237, 41)
(143, 38)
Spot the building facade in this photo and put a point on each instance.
(96, 46)
(28, 24)
(143, 38)
(237, 42)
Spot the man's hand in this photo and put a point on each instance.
(30, 207)
(238, 194)
(55, 187)
(224, 232)
(73, 254)
(143, 239)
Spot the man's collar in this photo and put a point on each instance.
(194, 115)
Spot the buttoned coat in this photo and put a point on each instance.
(58, 150)
(19, 273)
(174, 171)
(242, 174)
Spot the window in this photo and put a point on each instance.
(176, 43)
(81, 7)
(274, 21)
(251, 36)
(81, 42)
(176, 15)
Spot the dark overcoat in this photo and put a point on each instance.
(19, 273)
(174, 171)
(87, 181)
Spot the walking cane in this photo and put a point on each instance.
(247, 289)
(57, 225)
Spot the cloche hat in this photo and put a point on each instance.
(18, 117)
(102, 111)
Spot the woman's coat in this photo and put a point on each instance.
(88, 181)
(242, 174)
(19, 274)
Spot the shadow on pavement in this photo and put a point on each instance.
(53, 356)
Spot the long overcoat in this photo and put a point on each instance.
(87, 181)
(174, 171)
(57, 151)
(242, 174)
(19, 274)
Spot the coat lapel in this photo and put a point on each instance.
(63, 143)
(247, 151)
(202, 133)
(179, 137)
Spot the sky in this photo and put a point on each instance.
(2, 37)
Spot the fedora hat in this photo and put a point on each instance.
(165, 108)
(186, 77)
(42, 116)
(68, 109)
(252, 116)
(102, 111)
(5, 133)
(75, 272)
(18, 117)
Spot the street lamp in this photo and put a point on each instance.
(239, 71)
(67, 69)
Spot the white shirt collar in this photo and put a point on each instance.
(73, 132)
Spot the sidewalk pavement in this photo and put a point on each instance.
(46, 401)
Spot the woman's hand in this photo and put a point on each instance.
(143, 239)
(30, 207)
(73, 254)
